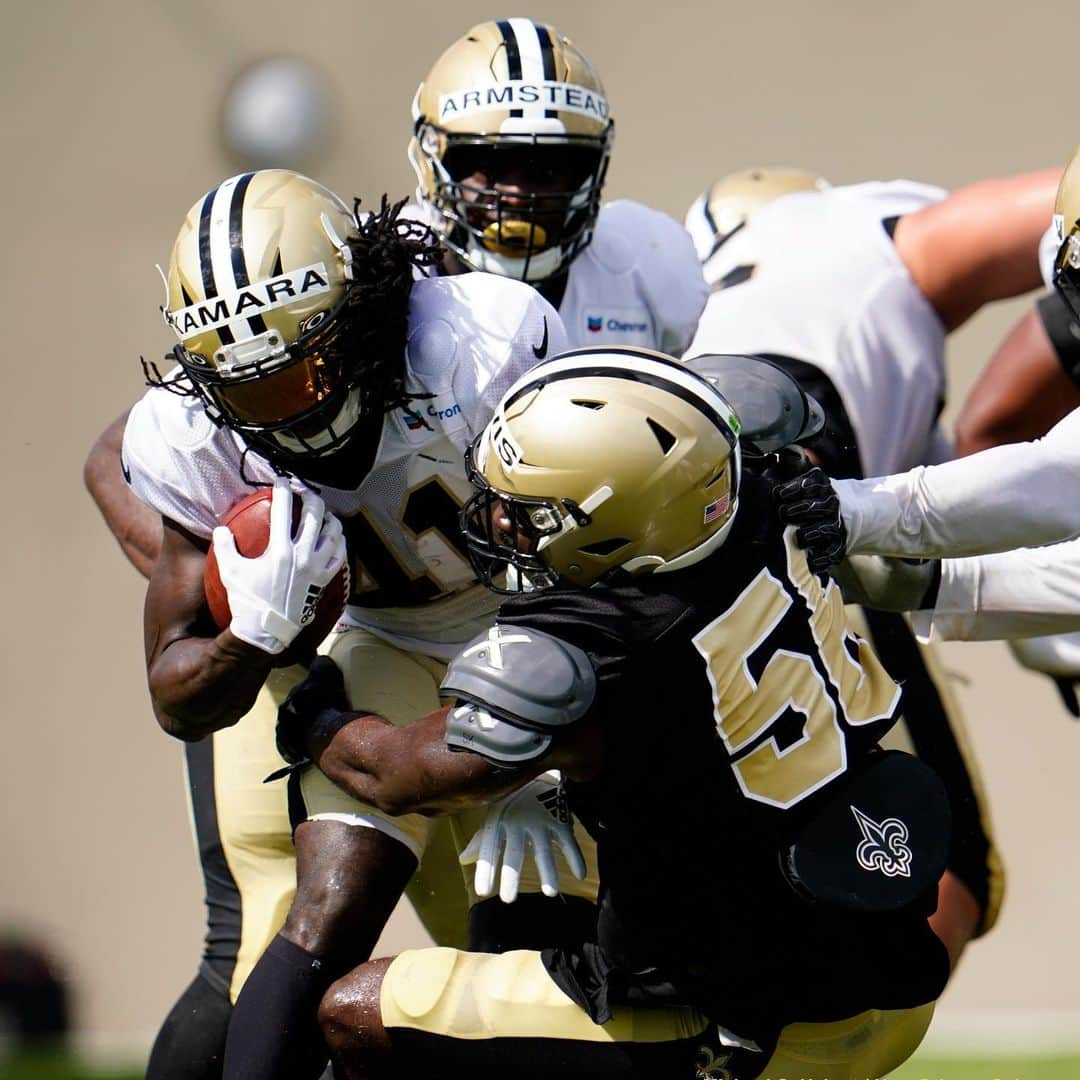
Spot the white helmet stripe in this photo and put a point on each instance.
(221, 249)
(532, 60)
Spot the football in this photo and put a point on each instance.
(249, 521)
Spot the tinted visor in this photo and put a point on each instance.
(272, 398)
(535, 167)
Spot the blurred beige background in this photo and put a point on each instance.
(110, 133)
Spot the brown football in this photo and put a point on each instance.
(249, 521)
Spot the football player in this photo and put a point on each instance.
(512, 134)
(1031, 382)
(715, 720)
(312, 359)
(853, 290)
(513, 190)
(969, 506)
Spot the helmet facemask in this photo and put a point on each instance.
(511, 141)
(522, 207)
(601, 464)
(1066, 223)
(1067, 271)
(506, 534)
(292, 402)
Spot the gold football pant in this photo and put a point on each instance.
(244, 838)
(243, 827)
(473, 1014)
(403, 686)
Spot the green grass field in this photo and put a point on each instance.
(920, 1068)
(991, 1068)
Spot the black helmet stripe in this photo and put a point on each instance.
(547, 56)
(236, 245)
(530, 56)
(206, 261)
(513, 57)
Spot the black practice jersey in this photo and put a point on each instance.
(730, 695)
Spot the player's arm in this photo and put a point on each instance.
(200, 680)
(517, 716)
(978, 245)
(1028, 385)
(410, 769)
(136, 527)
(1021, 593)
(1006, 497)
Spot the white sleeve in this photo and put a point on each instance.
(1020, 593)
(1057, 655)
(1007, 497)
(181, 465)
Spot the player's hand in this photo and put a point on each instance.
(273, 596)
(535, 815)
(810, 503)
(318, 701)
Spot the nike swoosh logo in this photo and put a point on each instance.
(540, 351)
(125, 470)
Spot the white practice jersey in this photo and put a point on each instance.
(470, 338)
(1015, 594)
(815, 277)
(1020, 495)
(638, 282)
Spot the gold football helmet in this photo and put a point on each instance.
(721, 211)
(601, 460)
(511, 141)
(263, 289)
(1067, 226)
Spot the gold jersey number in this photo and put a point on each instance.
(746, 708)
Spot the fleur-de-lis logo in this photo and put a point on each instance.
(883, 846)
(710, 1067)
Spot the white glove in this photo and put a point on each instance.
(536, 814)
(273, 596)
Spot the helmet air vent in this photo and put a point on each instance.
(603, 548)
(663, 436)
(597, 405)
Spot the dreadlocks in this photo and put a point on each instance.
(385, 251)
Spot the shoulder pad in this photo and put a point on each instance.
(525, 676)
